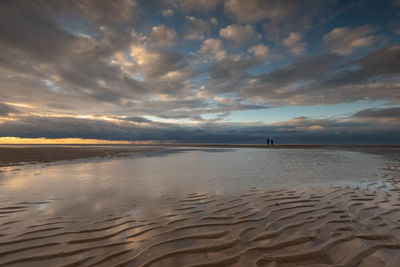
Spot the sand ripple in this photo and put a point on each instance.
(307, 226)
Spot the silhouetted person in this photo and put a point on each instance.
(267, 141)
(272, 142)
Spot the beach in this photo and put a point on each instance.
(17, 155)
(199, 206)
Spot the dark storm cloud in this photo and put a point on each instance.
(7, 109)
(26, 28)
(298, 130)
(385, 61)
(388, 113)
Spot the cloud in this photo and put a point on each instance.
(297, 130)
(104, 11)
(380, 63)
(46, 38)
(230, 75)
(347, 40)
(259, 50)
(230, 68)
(135, 119)
(167, 12)
(162, 36)
(280, 18)
(5, 110)
(387, 113)
(88, 72)
(295, 43)
(193, 5)
(215, 47)
(315, 80)
(329, 79)
(256, 10)
(196, 28)
(281, 84)
(239, 33)
(47, 56)
(164, 71)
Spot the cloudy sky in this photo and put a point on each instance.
(201, 70)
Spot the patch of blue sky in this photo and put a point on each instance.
(345, 70)
(50, 84)
(286, 113)
(351, 10)
(78, 25)
(166, 120)
(228, 95)
(156, 18)
(212, 116)
(199, 80)
(272, 64)
(262, 69)
(188, 47)
(138, 77)
(128, 56)
(176, 21)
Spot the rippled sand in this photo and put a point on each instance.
(349, 225)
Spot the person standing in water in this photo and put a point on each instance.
(267, 141)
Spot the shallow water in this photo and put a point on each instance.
(180, 171)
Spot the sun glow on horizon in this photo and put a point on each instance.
(42, 140)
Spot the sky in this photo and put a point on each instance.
(200, 71)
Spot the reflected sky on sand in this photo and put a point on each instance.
(176, 172)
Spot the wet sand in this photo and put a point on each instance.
(17, 155)
(304, 226)
(11, 155)
(354, 224)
